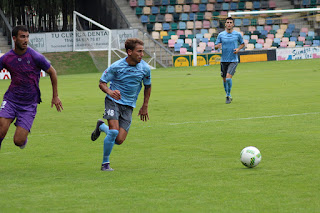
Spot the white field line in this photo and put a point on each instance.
(249, 118)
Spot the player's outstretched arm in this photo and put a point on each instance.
(143, 112)
(54, 82)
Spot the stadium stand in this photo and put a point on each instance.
(176, 22)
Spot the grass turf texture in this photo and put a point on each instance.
(186, 158)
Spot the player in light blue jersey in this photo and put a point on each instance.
(229, 41)
(126, 77)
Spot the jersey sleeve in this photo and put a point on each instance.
(147, 77)
(41, 61)
(240, 39)
(107, 75)
(218, 41)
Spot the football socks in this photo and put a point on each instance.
(229, 86)
(108, 144)
(225, 86)
(104, 128)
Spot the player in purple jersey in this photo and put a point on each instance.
(23, 95)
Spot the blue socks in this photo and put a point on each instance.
(108, 144)
(228, 86)
(104, 128)
(225, 86)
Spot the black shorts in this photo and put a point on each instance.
(115, 111)
(228, 67)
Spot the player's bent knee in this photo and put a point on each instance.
(119, 142)
(19, 142)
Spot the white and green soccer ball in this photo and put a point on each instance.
(250, 156)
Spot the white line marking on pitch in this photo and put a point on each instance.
(249, 118)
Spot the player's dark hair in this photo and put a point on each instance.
(230, 18)
(131, 43)
(18, 28)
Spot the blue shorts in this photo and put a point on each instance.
(115, 111)
(24, 114)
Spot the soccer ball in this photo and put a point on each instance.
(250, 156)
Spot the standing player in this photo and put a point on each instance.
(23, 95)
(126, 77)
(229, 40)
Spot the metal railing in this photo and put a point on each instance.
(151, 46)
(163, 55)
(6, 27)
(118, 17)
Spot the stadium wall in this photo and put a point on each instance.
(63, 41)
(278, 54)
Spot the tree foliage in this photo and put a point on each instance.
(39, 15)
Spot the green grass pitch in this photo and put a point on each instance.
(186, 157)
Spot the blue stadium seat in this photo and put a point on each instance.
(215, 23)
(259, 28)
(202, 8)
(291, 27)
(258, 46)
(154, 10)
(165, 2)
(182, 25)
(199, 36)
(264, 4)
(233, 6)
(225, 6)
(203, 31)
(303, 34)
(177, 47)
(277, 40)
(184, 17)
(293, 38)
(170, 9)
(311, 33)
(204, 1)
(269, 21)
(144, 19)
(246, 22)
(191, 16)
(157, 2)
(166, 26)
(205, 40)
(160, 18)
(141, 3)
(237, 22)
(316, 43)
(256, 5)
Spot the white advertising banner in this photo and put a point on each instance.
(298, 53)
(95, 39)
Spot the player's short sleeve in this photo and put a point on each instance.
(240, 39)
(147, 77)
(218, 41)
(107, 75)
(41, 61)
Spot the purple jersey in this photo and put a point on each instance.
(25, 75)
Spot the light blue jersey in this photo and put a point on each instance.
(127, 79)
(229, 41)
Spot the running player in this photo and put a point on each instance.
(126, 77)
(23, 95)
(229, 41)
